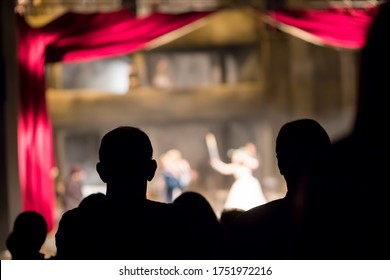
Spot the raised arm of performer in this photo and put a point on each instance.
(215, 161)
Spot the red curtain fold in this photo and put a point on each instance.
(337, 27)
(71, 37)
(35, 147)
(94, 36)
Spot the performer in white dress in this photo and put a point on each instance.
(246, 191)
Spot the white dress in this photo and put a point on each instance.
(246, 191)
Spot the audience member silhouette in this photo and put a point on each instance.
(229, 221)
(124, 224)
(28, 236)
(202, 235)
(359, 168)
(276, 229)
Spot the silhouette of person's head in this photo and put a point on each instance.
(195, 204)
(202, 235)
(92, 200)
(299, 143)
(125, 162)
(28, 235)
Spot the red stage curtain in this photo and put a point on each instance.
(341, 27)
(71, 37)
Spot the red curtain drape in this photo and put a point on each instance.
(336, 27)
(71, 37)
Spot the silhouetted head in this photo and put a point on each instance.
(125, 161)
(199, 233)
(196, 205)
(28, 235)
(92, 200)
(299, 143)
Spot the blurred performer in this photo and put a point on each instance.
(177, 173)
(73, 187)
(246, 191)
(162, 76)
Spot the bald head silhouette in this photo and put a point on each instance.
(125, 161)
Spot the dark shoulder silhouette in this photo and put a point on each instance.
(229, 218)
(27, 237)
(362, 158)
